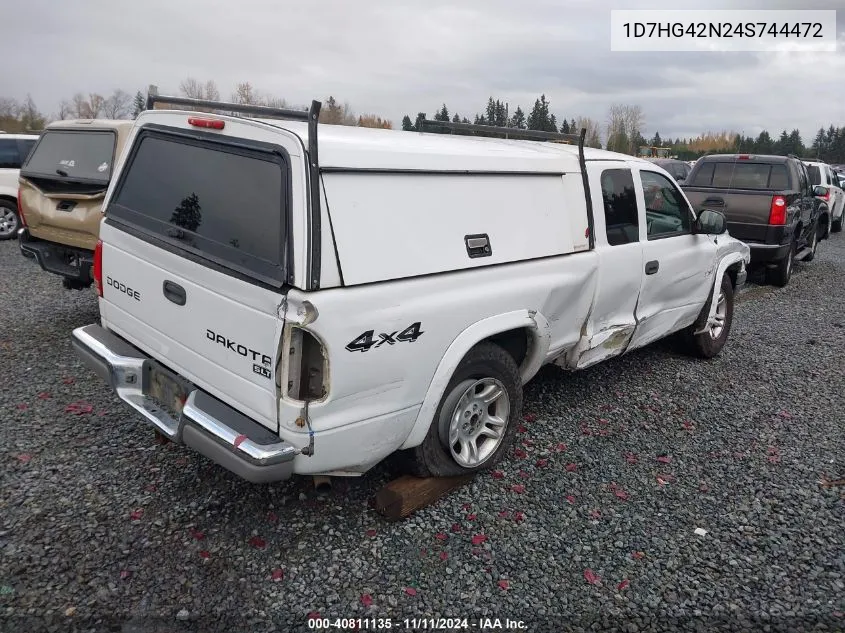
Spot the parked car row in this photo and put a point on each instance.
(263, 301)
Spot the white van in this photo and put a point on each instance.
(284, 304)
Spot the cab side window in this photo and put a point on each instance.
(620, 206)
(667, 212)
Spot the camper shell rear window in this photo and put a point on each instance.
(221, 199)
(70, 155)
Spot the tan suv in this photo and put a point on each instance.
(62, 185)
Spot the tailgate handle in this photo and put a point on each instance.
(174, 292)
(66, 205)
(478, 245)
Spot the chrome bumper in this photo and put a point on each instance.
(206, 424)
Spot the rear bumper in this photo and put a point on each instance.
(768, 253)
(68, 261)
(206, 424)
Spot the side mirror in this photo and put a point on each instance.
(819, 190)
(711, 222)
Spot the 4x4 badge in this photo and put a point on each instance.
(365, 341)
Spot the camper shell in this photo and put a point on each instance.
(62, 186)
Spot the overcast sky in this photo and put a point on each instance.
(392, 57)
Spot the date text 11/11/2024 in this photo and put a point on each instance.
(418, 624)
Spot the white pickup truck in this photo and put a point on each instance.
(285, 305)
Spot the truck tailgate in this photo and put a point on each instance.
(747, 212)
(222, 340)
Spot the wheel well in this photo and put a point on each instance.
(11, 199)
(514, 342)
(732, 272)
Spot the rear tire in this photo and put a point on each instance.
(709, 343)
(486, 369)
(836, 226)
(781, 275)
(9, 220)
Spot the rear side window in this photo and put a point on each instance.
(744, 175)
(9, 156)
(224, 203)
(815, 174)
(620, 206)
(703, 176)
(79, 155)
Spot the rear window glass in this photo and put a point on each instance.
(742, 175)
(73, 155)
(224, 203)
(815, 174)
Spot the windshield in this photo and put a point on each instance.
(82, 155)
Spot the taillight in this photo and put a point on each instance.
(743, 157)
(20, 207)
(214, 124)
(98, 267)
(826, 196)
(777, 212)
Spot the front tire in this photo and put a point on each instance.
(9, 220)
(710, 342)
(473, 425)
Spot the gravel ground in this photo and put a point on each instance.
(589, 526)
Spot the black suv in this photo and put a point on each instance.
(769, 202)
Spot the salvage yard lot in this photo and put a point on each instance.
(589, 525)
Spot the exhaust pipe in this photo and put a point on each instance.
(322, 483)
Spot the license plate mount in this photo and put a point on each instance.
(165, 387)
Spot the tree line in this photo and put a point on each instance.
(24, 116)
(622, 130)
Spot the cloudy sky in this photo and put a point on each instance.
(393, 57)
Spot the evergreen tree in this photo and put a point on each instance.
(188, 215)
(418, 124)
(764, 143)
(407, 125)
(564, 128)
(657, 141)
(782, 145)
(442, 114)
(539, 118)
(796, 143)
(456, 118)
(139, 104)
(518, 119)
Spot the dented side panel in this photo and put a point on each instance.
(388, 344)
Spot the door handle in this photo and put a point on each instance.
(174, 292)
(651, 267)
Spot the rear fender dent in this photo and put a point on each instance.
(538, 347)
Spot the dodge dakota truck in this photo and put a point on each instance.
(287, 304)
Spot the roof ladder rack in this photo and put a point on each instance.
(312, 117)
